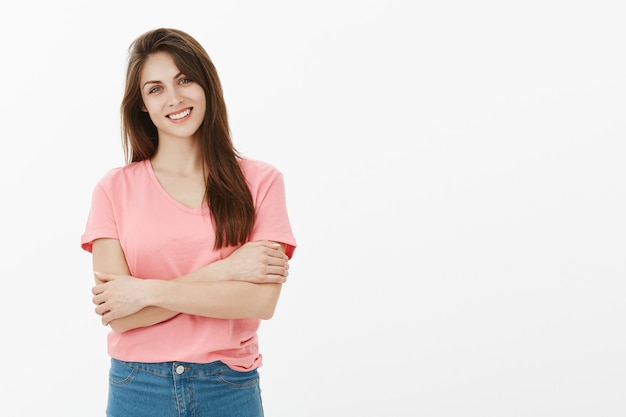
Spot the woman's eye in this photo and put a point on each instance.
(185, 81)
(154, 90)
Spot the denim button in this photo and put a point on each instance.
(180, 369)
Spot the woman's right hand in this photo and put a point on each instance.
(259, 262)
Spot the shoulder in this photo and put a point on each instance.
(262, 177)
(255, 170)
(126, 174)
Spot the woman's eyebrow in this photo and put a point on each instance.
(150, 82)
(158, 82)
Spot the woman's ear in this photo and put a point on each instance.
(143, 109)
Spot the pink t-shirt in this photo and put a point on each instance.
(164, 239)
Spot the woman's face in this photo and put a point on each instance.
(175, 103)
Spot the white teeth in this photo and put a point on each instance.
(180, 115)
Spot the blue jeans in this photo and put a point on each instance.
(181, 389)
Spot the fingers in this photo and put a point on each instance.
(276, 261)
(100, 303)
(275, 275)
(107, 318)
(264, 247)
(278, 254)
(101, 309)
(275, 248)
(103, 312)
(277, 264)
(271, 255)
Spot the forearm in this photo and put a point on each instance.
(143, 318)
(221, 299)
(257, 262)
(215, 271)
(151, 315)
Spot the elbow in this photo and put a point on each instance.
(267, 313)
(118, 327)
(268, 307)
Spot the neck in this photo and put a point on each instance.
(178, 155)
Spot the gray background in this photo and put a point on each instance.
(455, 178)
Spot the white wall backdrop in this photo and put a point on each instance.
(455, 178)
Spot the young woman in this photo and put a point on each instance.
(190, 243)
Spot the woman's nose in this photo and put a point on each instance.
(175, 97)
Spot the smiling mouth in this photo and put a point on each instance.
(180, 115)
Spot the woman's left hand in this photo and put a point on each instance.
(118, 296)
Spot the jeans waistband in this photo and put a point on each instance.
(177, 369)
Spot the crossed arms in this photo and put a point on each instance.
(246, 284)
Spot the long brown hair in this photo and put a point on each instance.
(227, 193)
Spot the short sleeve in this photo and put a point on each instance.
(272, 220)
(101, 220)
